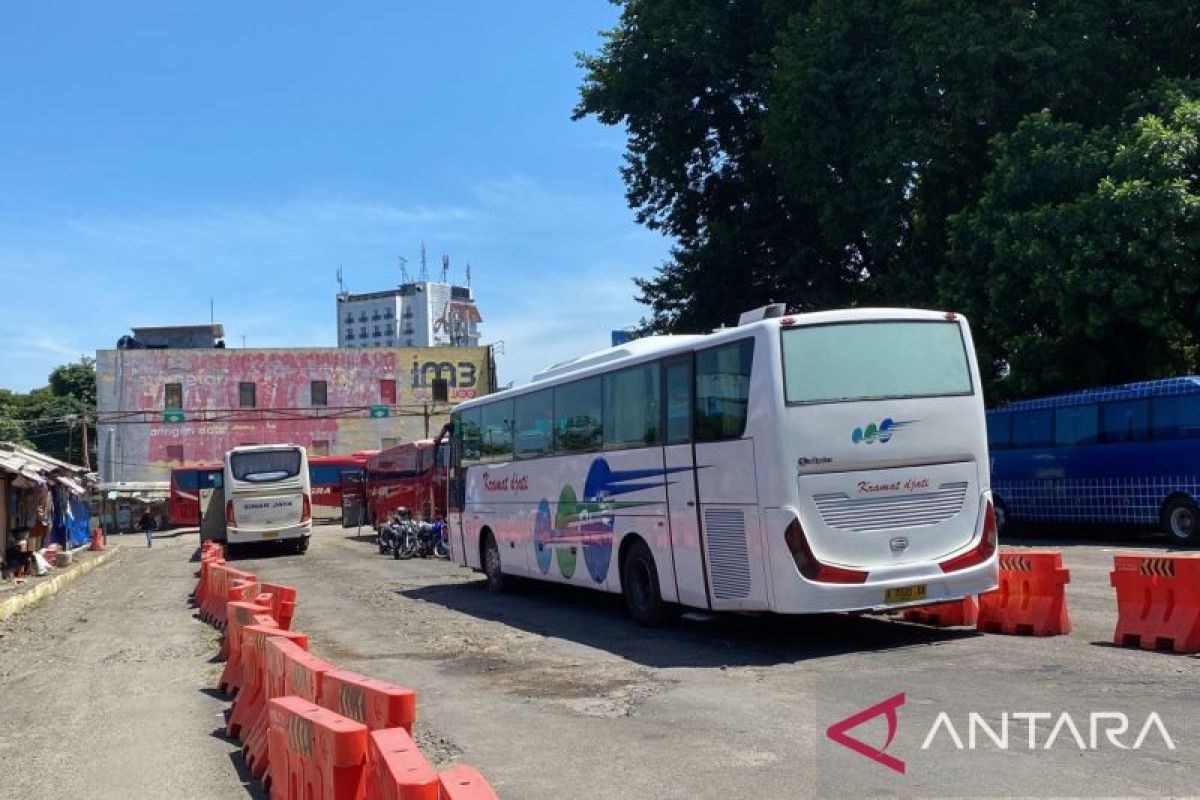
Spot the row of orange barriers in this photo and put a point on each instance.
(1158, 600)
(309, 730)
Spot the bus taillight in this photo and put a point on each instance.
(980, 552)
(306, 510)
(808, 564)
(230, 517)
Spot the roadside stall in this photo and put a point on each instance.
(44, 509)
(122, 504)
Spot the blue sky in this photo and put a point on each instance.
(155, 154)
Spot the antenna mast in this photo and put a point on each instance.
(403, 270)
(445, 267)
(468, 274)
(341, 281)
(424, 264)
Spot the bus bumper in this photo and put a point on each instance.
(247, 535)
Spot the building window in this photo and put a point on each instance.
(376, 316)
(175, 453)
(378, 331)
(350, 336)
(246, 395)
(349, 318)
(388, 441)
(362, 332)
(319, 393)
(387, 314)
(387, 392)
(362, 316)
(320, 447)
(173, 396)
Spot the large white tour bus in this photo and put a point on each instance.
(268, 495)
(804, 463)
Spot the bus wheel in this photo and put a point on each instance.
(301, 545)
(491, 563)
(1181, 519)
(639, 584)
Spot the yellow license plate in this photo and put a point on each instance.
(904, 594)
(271, 535)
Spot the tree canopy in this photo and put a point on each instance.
(830, 153)
(50, 419)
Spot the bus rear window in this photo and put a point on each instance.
(265, 466)
(874, 360)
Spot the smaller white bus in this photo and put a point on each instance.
(268, 495)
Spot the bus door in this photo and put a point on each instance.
(683, 511)
(211, 494)
(354, 498)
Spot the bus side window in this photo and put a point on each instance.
(723, 390)
(467, 431)
(631, 412)
(677, 382)
(534, 415)
(1176, 417)
(1127, 421)
(578, 423)
(496, 427)
(1033, 428)
(1076, 425)
(999, 430)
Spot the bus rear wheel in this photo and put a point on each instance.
(1181, 520)
(639, 584)
(491, 563)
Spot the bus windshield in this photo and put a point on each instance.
(264, 466)
(874, 360)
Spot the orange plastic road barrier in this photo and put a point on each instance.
(280, 654)
(302, 677)
(465, 783)
(315, 753)
(375, 703)
(396, 769)
(249, 703)
(241, 615)
(282, 600)
(217, 582)
(240, 587)
(239, 612)
(1031, 599)
(946, 615)
(203, 588)
(1158, 602)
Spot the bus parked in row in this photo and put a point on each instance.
(410, 476)
(268, 495)
(803, 463)
(1112, 454)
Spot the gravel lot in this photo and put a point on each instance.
(553, 693)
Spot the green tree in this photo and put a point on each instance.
(50, 419)
(814, 151)
(1086, 244)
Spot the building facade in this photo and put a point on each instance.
(423, 314)
(157, 408)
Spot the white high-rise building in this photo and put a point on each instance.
(424, 314)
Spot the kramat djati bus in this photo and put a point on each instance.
(830, 461)
(268, 495)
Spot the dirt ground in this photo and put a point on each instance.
(554, 693)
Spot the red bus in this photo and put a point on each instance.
(189, 484)
(405, 476)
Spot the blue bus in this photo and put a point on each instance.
(1113, 454)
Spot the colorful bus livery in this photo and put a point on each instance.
(1125, 454)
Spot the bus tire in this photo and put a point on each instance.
(1181, 520)
(489, 555)
(639, 584)
(301, 545)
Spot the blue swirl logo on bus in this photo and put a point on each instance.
(881, 433)
(586, 521)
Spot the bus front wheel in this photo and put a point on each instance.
(1181, 519)
(639, 584)
(491, 563)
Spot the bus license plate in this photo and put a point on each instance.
(904, 594)
(270, 535)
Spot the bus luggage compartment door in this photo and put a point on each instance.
(729, 518)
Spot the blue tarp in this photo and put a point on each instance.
(70, 530)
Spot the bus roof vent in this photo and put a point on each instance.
(763, 312)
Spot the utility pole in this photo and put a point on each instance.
(87, 458)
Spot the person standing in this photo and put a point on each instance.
(147, 526)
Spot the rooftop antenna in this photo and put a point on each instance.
(341, 281)
(445, 267)
(403, 270)
(211, 312)
(424, 264)
(468, 274)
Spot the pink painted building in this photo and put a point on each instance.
(160, 407)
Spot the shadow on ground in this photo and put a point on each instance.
(710, 640)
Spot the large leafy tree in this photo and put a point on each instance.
(51, 418)
(814, 151)
(1086, 244)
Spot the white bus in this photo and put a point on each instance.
(820, 462)
(268, 495)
